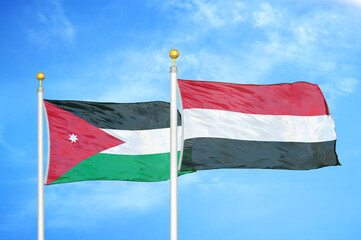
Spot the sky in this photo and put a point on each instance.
(118, 51)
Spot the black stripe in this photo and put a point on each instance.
(215, 153)
(122, 116)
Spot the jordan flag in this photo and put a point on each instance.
(281, 126)
(107, 141)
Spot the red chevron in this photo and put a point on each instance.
(65, 154)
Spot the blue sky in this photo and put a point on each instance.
(118, 51)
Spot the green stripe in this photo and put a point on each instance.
(139, 168)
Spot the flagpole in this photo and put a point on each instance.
(40, 76)
(173, 148)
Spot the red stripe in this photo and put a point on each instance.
(300, 98)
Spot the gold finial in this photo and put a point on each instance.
(40, 76)
(173, 54)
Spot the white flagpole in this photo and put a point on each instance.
(173, 148)
(40, 76)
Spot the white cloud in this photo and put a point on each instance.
(290, 38)
(219, 13)
(348, 85)
(52, 24)
(86, 204)
(16, 217)
(207, 65)
(13, 150)
(310, 42)
(335, 88)
(188, 180)
(135, 76)
(70, 201)
(353, 2)
(245, 197)
(211, 13)
(267, 16)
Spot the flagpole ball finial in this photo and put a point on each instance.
(173, 54)
(40, 76)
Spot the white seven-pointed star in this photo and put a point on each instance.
(73, 138)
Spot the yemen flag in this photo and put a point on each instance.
(281, 126)
(107, 141)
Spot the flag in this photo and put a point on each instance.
(280, 126)
(107, 141)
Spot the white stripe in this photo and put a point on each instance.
(142, 142)
(256, 127)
